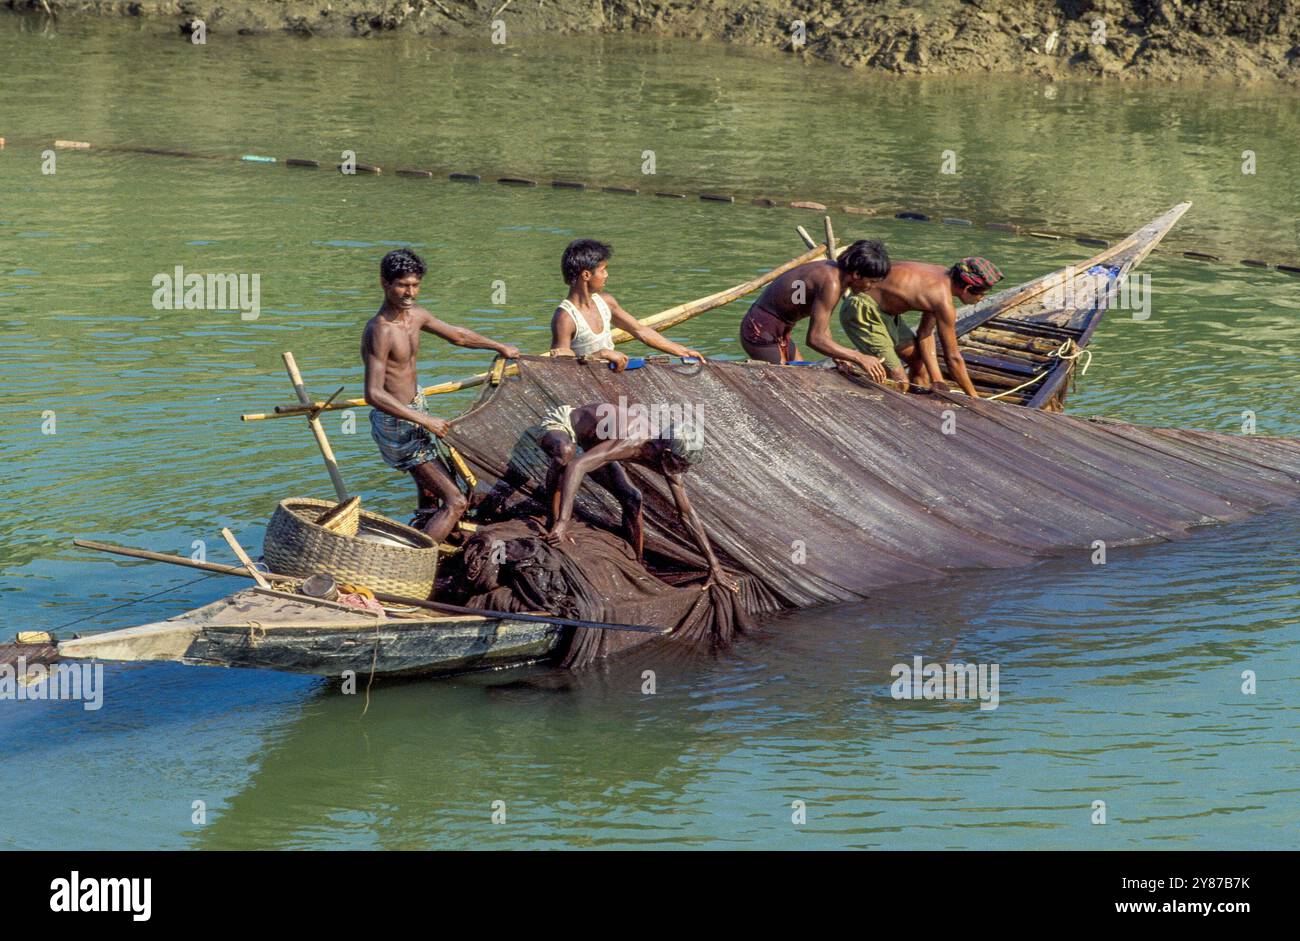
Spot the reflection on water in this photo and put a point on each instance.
(1118, 683)
(1095, 157)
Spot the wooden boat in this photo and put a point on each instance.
(277, 631)
(1008, 339)
(1023, 344)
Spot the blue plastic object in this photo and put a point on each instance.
(1109, 271)
(633, 362)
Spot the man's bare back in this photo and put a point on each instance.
(791, 296)
(919, 286)
(811, 291)
(912, 285)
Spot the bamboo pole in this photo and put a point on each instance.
(807, 239)
(683, 312)
(240, 554)
(214, 567)
(313, 419)
(660, 321)
(830, 236)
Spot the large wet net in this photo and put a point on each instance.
(818, 487)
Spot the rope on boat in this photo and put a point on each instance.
(127, 604)
(1068, 352)
(374, 660)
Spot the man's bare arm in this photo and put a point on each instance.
(926, 344)
(946, 325)
(374, 355)
(594, 458)
(647, 335)
(463, 336)
(562, 331)
(693, 525)
(821, 340)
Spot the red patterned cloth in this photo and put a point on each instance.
(977, 272)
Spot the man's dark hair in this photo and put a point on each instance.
(399, 263)
(583, 255)
(866, 258)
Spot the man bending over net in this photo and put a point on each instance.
(577, 442)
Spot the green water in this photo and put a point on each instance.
(1120, 683)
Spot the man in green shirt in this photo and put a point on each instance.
(882, 335)
(872, 318)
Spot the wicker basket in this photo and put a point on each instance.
(296, 545)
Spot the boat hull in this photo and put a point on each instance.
(394, 648)
(267, 630)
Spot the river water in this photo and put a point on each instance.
(1119, 683)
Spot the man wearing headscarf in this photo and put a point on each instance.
(873, 318)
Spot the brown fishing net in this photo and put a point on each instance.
(821, 488)
(596, 578)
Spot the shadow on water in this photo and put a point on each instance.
(573, 758)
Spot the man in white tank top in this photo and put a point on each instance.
(583, 323)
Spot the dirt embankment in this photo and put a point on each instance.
(1245, 40)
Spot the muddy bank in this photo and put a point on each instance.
(1142, 39)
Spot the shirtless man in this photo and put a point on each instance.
(400, 421)
(581, 325)
(812, 290)
(577, 441)
(873, 318)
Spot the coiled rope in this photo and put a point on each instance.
(1068, 352)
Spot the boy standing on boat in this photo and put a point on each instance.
(581, 325)
(873, 318)
(400, 421)
(812, 290)
(578, 443)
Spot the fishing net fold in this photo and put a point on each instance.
(816, 487)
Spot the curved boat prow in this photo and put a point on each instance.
(1021, 344)
(163, 640)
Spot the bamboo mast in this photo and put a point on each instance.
(312, 412)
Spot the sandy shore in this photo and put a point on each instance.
(1164, 40)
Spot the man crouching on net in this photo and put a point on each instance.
(578, 443)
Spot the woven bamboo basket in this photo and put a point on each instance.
(296, 545)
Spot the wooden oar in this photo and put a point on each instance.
(512, 616)
(385, 598)
(660, 321)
